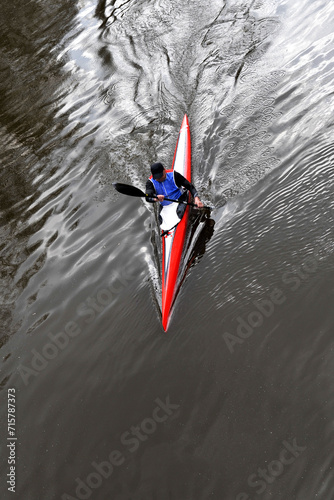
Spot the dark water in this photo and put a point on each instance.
(235, 402)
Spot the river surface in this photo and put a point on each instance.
(236, 400)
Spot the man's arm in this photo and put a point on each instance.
(181, 181)
(150, 191)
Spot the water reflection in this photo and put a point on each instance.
(202, 229)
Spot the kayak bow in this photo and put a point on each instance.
(174, 229)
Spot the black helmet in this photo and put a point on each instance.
(157, 170)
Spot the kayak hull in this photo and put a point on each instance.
(173, 241)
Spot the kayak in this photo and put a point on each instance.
(180, 247)
(173, 228)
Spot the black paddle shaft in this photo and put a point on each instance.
(134, 191)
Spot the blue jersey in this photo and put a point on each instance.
(167, 188)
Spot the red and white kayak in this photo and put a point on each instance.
(173, 241)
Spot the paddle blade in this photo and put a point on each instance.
(128, 190)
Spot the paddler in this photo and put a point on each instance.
(169, 183)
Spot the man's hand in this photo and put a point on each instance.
(198, 202)
(154, 199)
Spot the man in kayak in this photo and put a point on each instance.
(169, 184)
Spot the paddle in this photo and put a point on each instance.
(133, 191)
